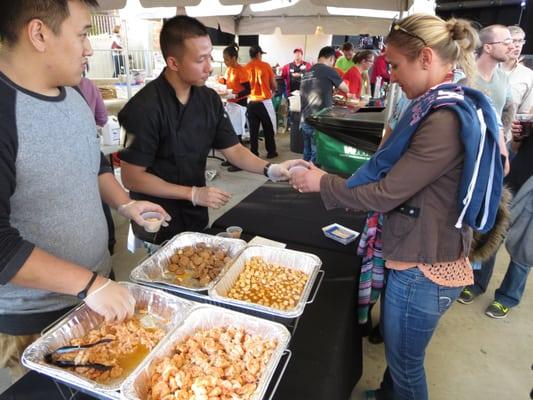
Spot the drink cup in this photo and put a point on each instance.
(526, 121)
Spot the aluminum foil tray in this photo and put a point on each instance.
(152, 270)
(164, 310)
(308, 263)
(207, 317)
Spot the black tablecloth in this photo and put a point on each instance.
(327, 349)
(34, 386)
(277, 211)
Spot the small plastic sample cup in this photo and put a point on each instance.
(234, 231)
(297, 169)
(152, 221)
(224, 235)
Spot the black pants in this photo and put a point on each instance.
(258, 114)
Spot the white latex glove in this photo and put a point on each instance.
(280, 172)
(134, 209)
(111, 300)
(209, 196)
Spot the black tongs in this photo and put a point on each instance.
(50, 359)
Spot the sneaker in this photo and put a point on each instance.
(497, 310)
(466, 296)
(272, 155)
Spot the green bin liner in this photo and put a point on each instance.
(338, 157)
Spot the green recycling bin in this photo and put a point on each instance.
(338, 157)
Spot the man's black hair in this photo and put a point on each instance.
(326, 52)
(176, 30)
(15, 14)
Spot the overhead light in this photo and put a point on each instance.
(362, 12)
(212, 8)
(319, 30)
(272, 5)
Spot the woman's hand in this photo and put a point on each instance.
(307, 181)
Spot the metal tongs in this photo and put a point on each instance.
(50, 359)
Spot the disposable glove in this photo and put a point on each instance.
(111, 300)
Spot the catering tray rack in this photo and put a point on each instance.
(309, 262)
(186, 313)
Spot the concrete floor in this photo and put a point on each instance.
(470, 357)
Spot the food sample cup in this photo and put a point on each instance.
(152, 221)
(234, 231)
(224, 235)
(297, 169)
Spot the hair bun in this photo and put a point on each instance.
(462, 32)
(458, 28)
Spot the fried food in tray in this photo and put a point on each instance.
(197, 265)
(130, 342)
(270, 285)
(222, 363)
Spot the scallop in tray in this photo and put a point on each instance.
(188, 262)
(269, 281)
(215, 353)
(110, 352)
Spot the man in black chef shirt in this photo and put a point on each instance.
(172, 124)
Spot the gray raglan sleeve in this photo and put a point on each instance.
(14, 250)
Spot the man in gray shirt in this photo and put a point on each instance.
(53, 235)
(496, 47)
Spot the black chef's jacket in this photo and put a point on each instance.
(173, 141)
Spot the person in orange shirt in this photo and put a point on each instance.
(260, 108)
(236, 77)
(355, 76)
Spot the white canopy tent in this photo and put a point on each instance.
(303, 17)
(296, 17)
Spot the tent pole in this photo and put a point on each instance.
(127, 59)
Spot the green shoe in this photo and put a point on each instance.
(466, 296)
(497, 310)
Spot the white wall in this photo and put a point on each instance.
(280, 47)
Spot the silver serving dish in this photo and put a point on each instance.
(152, 270)
(164, 311)
(308, 263)
(207, 317)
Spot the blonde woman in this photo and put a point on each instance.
(437, 176)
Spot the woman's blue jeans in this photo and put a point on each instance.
(412, 309)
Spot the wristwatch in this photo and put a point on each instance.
(265, 169)
(83, 294)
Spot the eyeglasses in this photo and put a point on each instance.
(396, 27)
(506, 42)
(519, 41)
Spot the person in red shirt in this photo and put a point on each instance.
(355, 76)
(293, 71)
(260, 108)
(381, 68)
